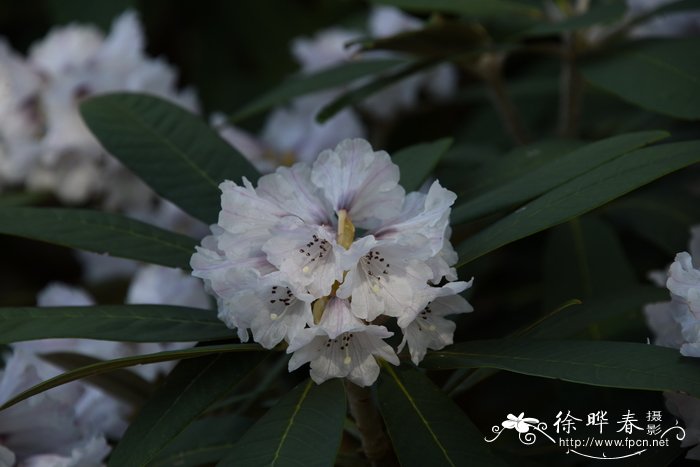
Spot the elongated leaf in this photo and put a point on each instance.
(418, 161)
(671, 216)
(22, 199)
(172, 150)
(360, 93)
(598, 363)
(188, 391)
(584, 259)
(582, 194)
(603, 13)
(99, 232)
(122, 384)
(303, 428)
(500, 170)
(551, 174)
(110, 365)
(575, 319)
(480, 8)
(306, 84)
(425, 426)
(444, 39)
(130, 323)
(205, 441)
(662, 76)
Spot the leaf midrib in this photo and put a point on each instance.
(297, 408)
(166, 142)
(423, 420)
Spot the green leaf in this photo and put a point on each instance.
(425, 426)
(443, 39)
(189, 390)
(417, 162)
(671, 216)
(598, 311)
(130, 323)
(584, 259)
(205, 441)
(22, 199)
(172, 150)
(479, 8)
(99, 232)
(529, 184)
(303, 429)
(122, 384)
(603, 13)
(360, 93)
(499, 170)
(111, 365)
(582, 194)
(661, 76)
(305, 84)
(597, 363)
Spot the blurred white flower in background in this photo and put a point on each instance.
(54, 423)
(674, 24)
(44, 144)
(291, 132)
(68, 426)
(74, 62)
(322, 255)
(679, 24)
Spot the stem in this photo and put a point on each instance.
(375, 444)
(489, 68)
(570, 90)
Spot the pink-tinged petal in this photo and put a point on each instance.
(359, 180)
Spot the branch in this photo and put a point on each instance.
(375, 443)
(489, 69)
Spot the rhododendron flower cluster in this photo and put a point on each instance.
(324, 255)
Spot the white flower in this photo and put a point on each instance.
(159, 285)
(660, 319)
(293, 134)
(89, 454)
(307, 255)
(327, 48)
(279, 316)
(429, 329)
(385, 280)
(43, 140)
(20, 122)
(154, 285)
(51, 422)
(684, 282)
(355, 178)
(325, 249)
(341, 346)
(680, 24)
(7, 457)
(677, 323)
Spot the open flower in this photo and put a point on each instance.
(320, 255)
(342, 346)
